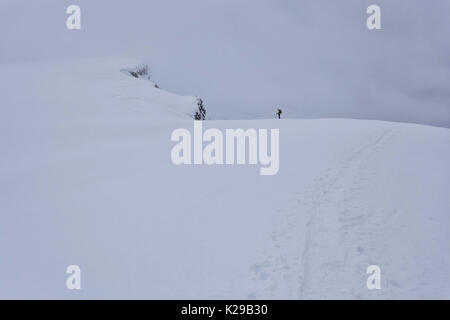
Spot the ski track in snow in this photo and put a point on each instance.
(334, 226)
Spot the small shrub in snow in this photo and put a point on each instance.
(139, 71)
(201, 113)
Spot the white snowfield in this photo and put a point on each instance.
(86, 179)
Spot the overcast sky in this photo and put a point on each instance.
(245, 58)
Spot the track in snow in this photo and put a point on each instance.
(334, 226)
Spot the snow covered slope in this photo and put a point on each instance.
(87, 87)
(86, 179)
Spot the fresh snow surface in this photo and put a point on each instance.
(86, 178)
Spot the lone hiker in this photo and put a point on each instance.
(279, 113)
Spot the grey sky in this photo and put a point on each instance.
(313, 58)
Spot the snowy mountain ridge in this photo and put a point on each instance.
(86, 178)
(94, 83)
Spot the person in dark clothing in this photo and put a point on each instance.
(279, 113)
